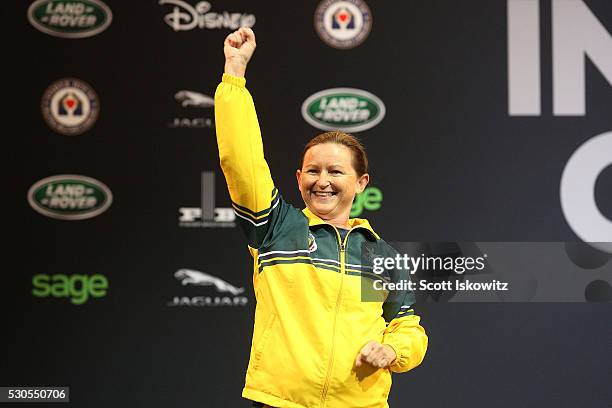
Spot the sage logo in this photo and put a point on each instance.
(70, 106)
(191, 277)
(70, 19)
(345, 109)
(207, 215)
(70, 197)
(370, 199)
(77, 288)
(186, 17)
(343, 23)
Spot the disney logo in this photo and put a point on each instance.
(185, 17)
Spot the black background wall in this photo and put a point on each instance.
(452, 162)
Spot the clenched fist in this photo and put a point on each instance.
(238, 47)
(376, 354)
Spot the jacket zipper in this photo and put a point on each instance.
(342, 245)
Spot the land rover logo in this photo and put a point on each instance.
(345, 109)
(70, 19)
(70, 197)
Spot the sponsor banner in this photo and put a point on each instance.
(70, 19)
(345, 109)
(78, 289)
(185, 17)
(70, 197)
(343, 24)
(370, 199)
(189, 100)
(207, 215)
(577, 191)
(224, 293)
(70, 106)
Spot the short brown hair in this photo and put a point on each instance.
(360, 158)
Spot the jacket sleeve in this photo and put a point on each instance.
(242, 159)
(407, 337)
(403, 332)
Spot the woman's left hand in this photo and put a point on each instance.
(376, 354)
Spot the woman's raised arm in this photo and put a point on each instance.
(239, 140)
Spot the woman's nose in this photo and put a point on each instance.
(323, 180)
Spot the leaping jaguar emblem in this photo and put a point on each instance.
(190, 98)
(197, 278)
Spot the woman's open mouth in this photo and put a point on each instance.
(324, 194)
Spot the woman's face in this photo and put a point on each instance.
(328, 182)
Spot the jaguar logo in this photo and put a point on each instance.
(197, 278)
(190, 98)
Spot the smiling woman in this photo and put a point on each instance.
(316, 341)
(333, 170)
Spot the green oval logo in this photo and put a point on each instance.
(70, 19)
(70, 197)
(345, 109)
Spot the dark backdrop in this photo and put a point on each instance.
(452, 163)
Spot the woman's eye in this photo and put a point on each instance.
(311, 171)
(335, 172)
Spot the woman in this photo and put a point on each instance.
(315, 342)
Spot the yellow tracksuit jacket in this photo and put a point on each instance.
(310, 320)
